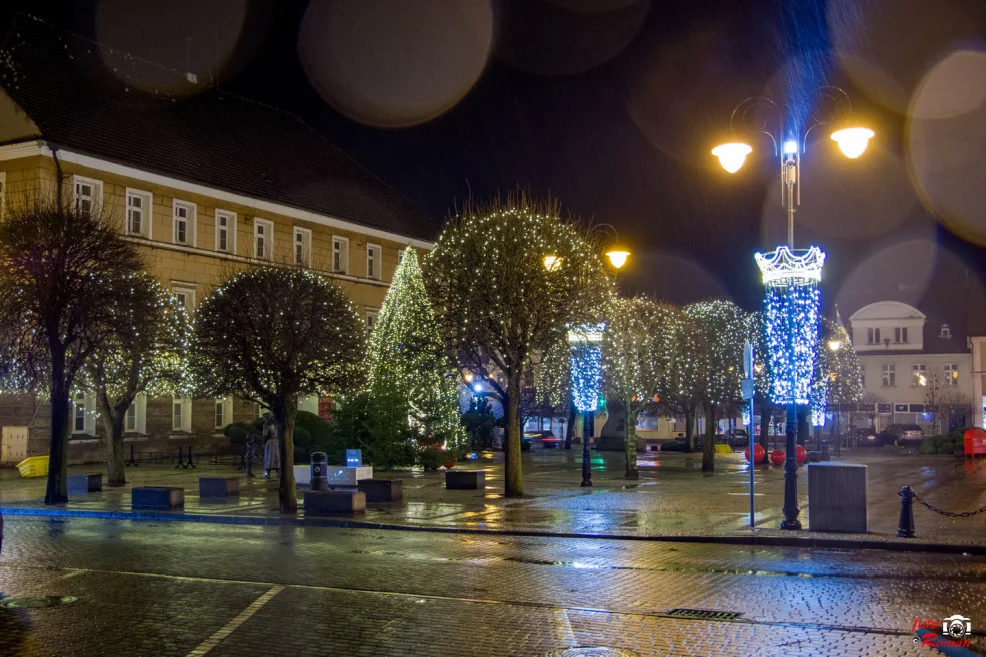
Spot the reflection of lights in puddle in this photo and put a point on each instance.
(746, 494)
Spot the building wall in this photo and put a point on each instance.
(198, 267)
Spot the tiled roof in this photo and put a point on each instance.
(88, 98)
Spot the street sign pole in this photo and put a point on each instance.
(748, 397)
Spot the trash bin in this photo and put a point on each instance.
(320, 462)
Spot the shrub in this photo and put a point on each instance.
(928, 446)
(239, 432)
(946, 448)
(431, 457)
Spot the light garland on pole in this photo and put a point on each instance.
(586, 365)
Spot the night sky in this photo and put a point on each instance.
(613, 107)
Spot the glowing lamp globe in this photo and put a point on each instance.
(853, 141)
(617, 258)
(552, 262)
(733, 155)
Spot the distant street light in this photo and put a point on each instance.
(791, 277)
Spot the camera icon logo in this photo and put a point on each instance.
(956, 626)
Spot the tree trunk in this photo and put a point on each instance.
(56, 491)
(708, 447)
(570, 425)
(630, 442)
(689, 430)
(513, 483)
(116, 459)
(285, 410)
(766, 420)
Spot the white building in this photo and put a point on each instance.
(909, 361)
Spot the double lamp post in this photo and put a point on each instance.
(791, 277)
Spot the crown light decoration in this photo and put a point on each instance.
(791, 316)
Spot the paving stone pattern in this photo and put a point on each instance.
(167, 588)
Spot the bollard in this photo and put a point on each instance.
(181, 458)
(906, 525)
(191, 464)
(132, 460)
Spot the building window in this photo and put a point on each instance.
(185, 297)
(340, 254)
(302, 247)
(184, 220)
(3, 193)
(952, 374)
(917, 375)
(862, 379)
(373, 261)
(263, 239)
(88, 194)
(138, 213)
(400, 256)
(181, 414)
(900, 335)
(79, 413)
(873, 336)
(889, 375)
(225, 231)
(224, 412)
(371, 319)
(131, 422)
(945, 332)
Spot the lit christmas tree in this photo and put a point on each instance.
(408, 358)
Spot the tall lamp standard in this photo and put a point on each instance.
(585, 345)
(791, 276)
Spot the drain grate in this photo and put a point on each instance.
(704, 614)
(38, 602)
(592, 651)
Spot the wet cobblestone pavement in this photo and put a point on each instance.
(146, 588)
(672, 497)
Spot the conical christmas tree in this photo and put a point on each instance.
(408, 360)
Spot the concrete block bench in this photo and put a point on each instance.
(85, 483)
(382, 490)
(219, 487)
(334, 502)
(465, 480)
(157, 497)
(837, 497)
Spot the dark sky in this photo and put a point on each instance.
(613, 107)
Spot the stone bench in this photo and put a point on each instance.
(334, 502)
(85, 483)
(465, 480)
(837, 497)
(382, 490)
(157, 497)
(219, 487)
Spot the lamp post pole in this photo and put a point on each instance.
(791, 277)
(586, 456)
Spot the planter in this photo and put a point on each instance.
(450, 465)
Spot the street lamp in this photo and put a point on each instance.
(791, 277)
(835, 345)
(585, 343)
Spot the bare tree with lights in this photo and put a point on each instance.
(501, 301)
(941, 395)
(145, 352)
(636, 352)
(762, 374)
(724, 327)
(839, 366)
(681, 387)
(272, 334)
(60, 265)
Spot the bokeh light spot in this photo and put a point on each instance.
(392, 63)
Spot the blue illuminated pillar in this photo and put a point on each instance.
(586, 373)
(791, 311)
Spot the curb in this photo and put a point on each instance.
(764, 541)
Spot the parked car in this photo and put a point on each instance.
(863, 437)
(738, 439)
(548, 439)
(901, 434)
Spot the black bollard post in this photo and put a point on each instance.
(906, 525)
(132, 460)
(191, 464)
(181, 458)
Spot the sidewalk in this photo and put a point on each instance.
(672, 499)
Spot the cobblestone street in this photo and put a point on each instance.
(145, 588)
